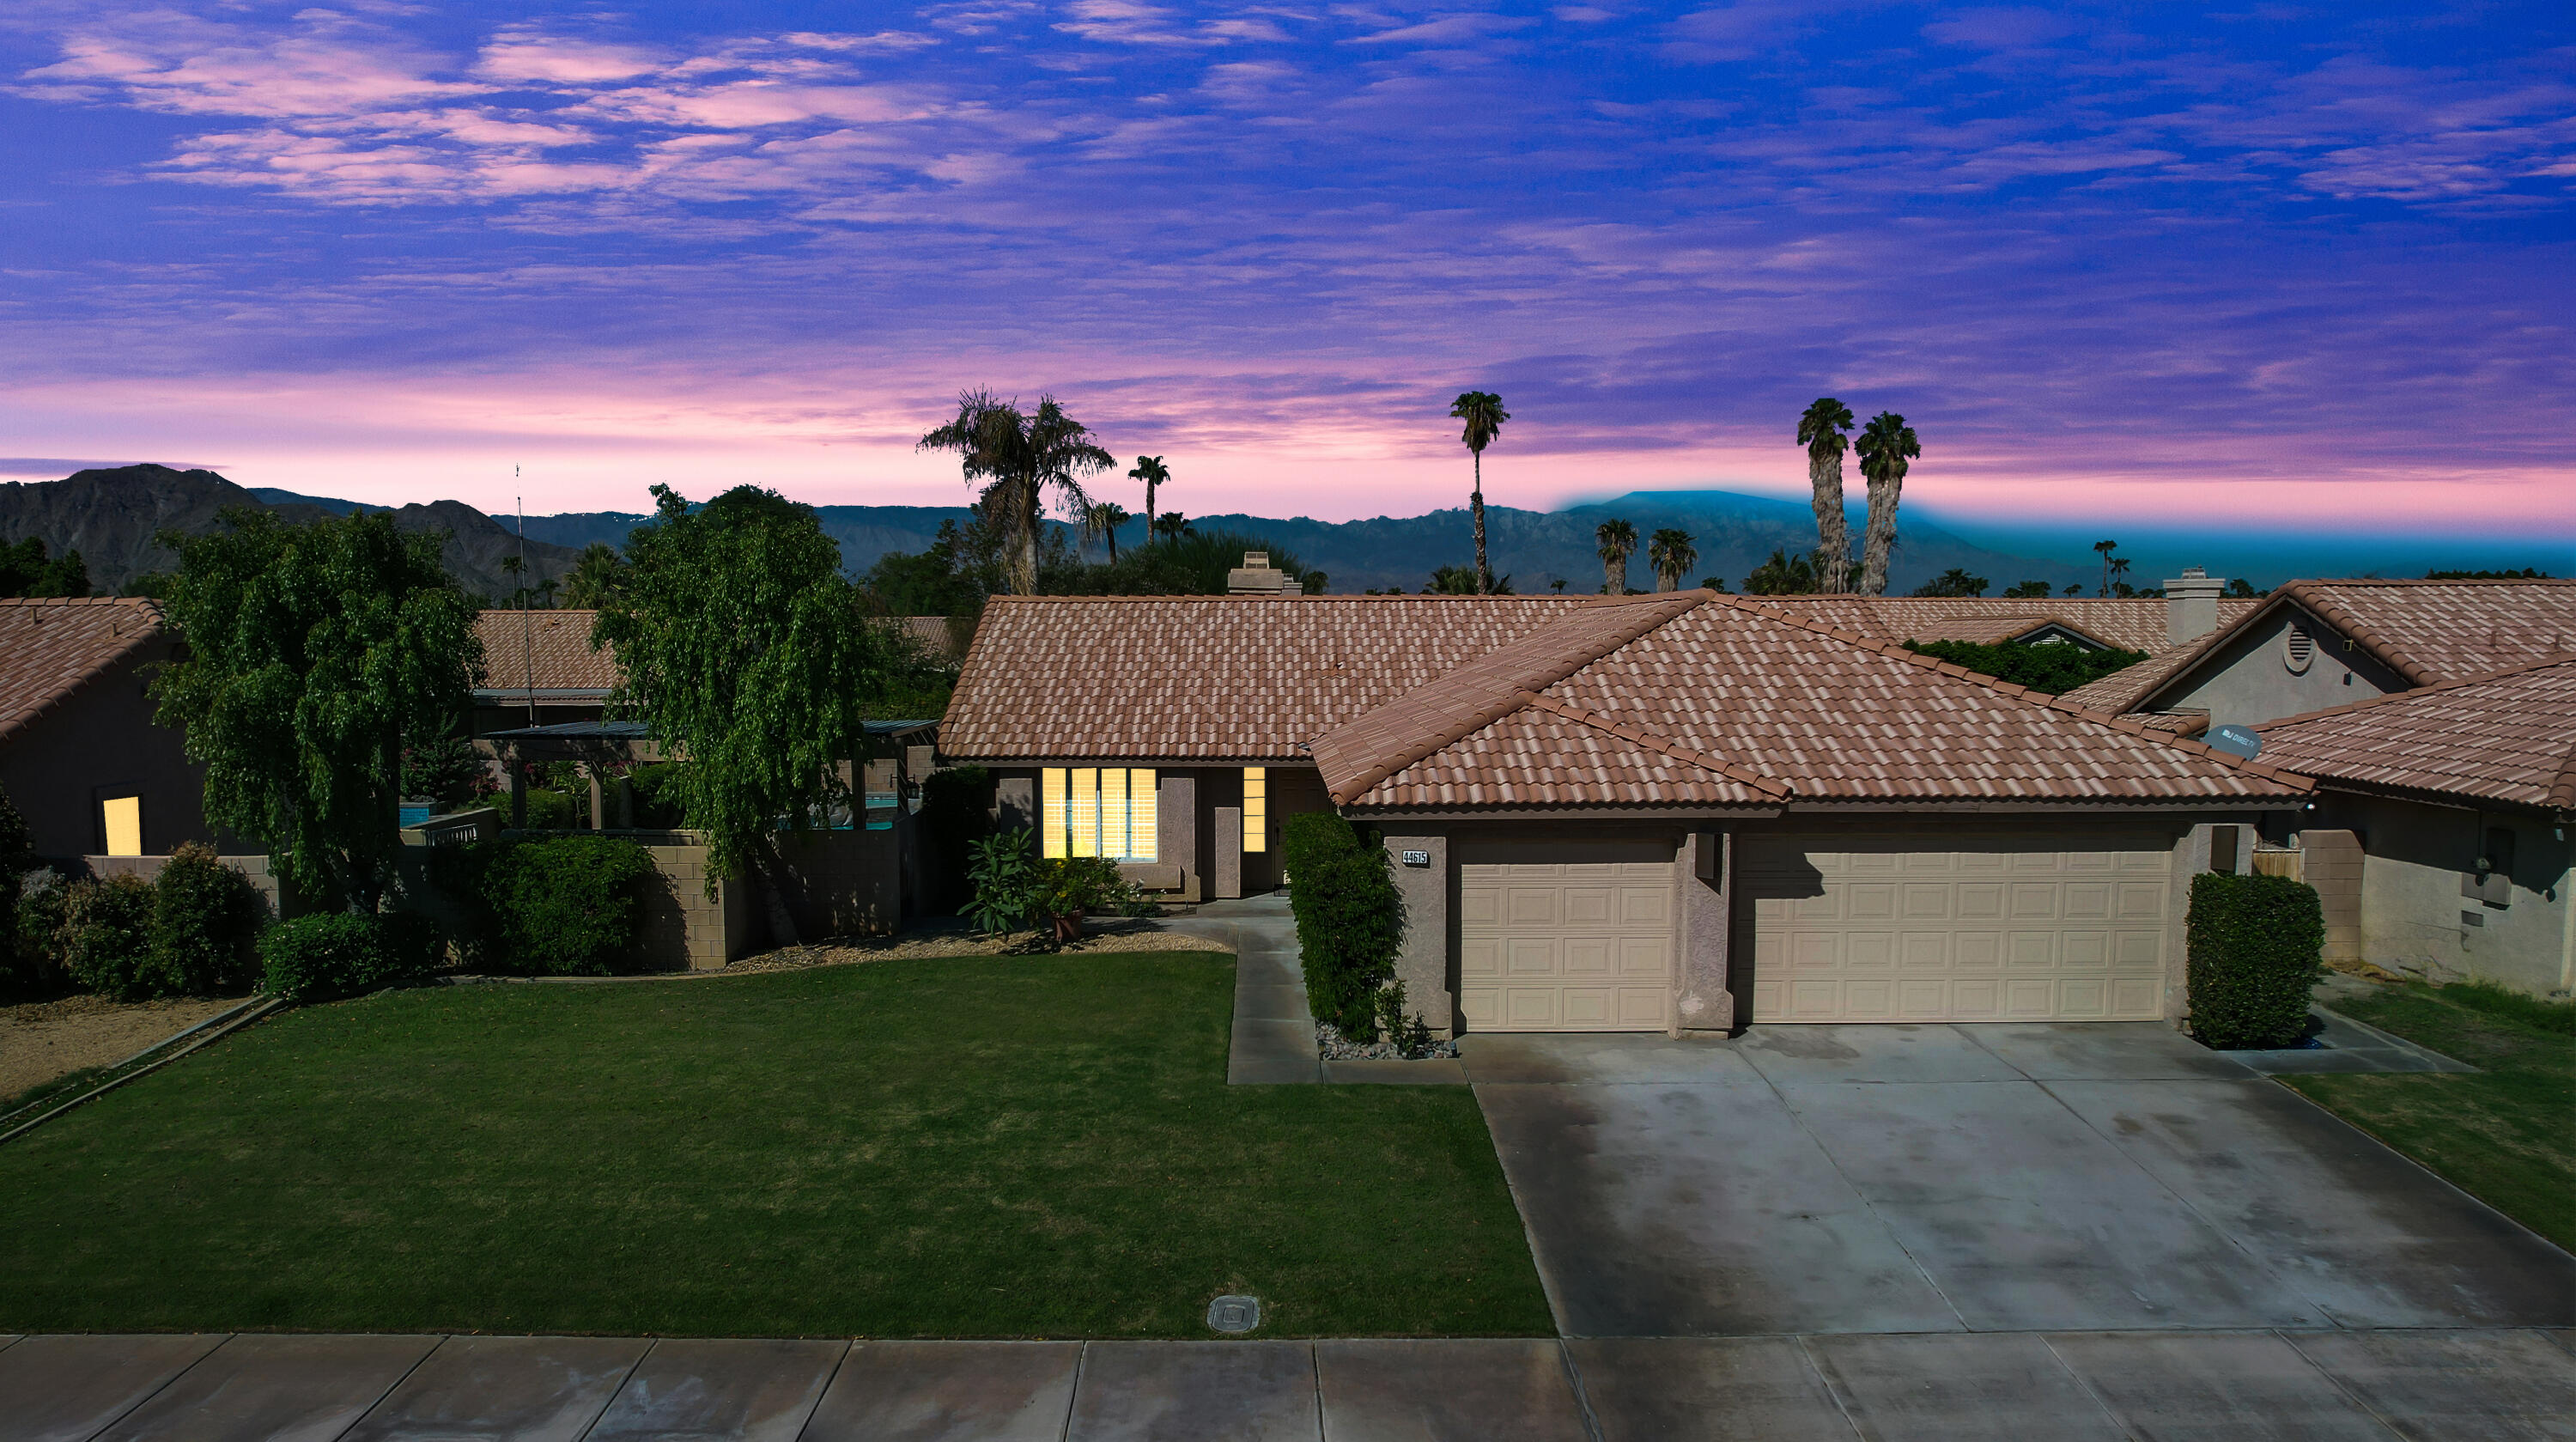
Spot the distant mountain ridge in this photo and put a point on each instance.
(111, 515)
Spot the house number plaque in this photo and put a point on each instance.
(1417, 858)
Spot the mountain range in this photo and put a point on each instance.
(113, 515)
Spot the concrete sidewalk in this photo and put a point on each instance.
(2029, 1386)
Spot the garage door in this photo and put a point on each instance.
(1576, 946)
(1904, 930)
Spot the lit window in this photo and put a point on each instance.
(1256, 808)
(1106, 811)
(123, 816)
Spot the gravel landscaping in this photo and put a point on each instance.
(1333, 1046)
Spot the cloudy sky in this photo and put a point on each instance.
(2284, 266)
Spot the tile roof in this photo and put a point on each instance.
(1213, 678)
(51, 648)
(2507, 736)
(1759, 706)
(2132, 623)
(547, 650)
(2425, 631)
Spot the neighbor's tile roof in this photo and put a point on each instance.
(2132, 623)
(2509, 736)
(547, 650)
(1764, 709)
(2425, 631)
(51, 648)
(1212, 678)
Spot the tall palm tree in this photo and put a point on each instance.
(2104, 550)
(1152, 471)
(2119, 568)
(1820, 430)
(1020, 457)
(1103, 520)
(1672, 553)
(1618, 541)
(1484, 414)
(1886, 444)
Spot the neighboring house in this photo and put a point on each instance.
(539, 670)
(80, 755)
(2314, 645)
(2460, 795)
(1667, 812)
(2191, 609)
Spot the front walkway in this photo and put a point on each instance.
(1274, 1033)
(2030, 1387)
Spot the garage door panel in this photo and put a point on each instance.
(2082, 933)
(1581, 946)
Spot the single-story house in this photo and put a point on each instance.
(2315, 645)
(80, 755)
(539, 670)
(2461, 795)
(2191, 608)
(1683, 811)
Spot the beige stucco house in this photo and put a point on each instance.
(1656, 813)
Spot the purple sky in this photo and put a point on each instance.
(2287, 265)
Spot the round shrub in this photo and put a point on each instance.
(204, 917)
(569, 905)
(2254, 947)
(339, 953)
(31, 951)
(107, 937)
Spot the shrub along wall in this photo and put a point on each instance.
(2255, 947)
(552, 906)
(1350, 919)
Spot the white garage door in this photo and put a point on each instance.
(1575, 946)
(1903, 930)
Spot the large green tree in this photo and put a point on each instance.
(1617, 541)
(1821, 430)
(738, 638)
(1484, 414)
(1019, 458)
(1887, 443)
(315, 654)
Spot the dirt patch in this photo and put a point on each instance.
(957, 941)
(42, 1040)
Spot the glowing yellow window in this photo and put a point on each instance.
(1113, 811)
(1141, 815)
(124, 818)
(1051, 830)
(1256, 808)
(1082, 810)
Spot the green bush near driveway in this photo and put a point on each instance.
(1350, 918)
(2254, 948)
(961, 1147)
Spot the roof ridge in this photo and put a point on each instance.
(2053, 703)
(1665, 746)
(2437, 688)
(2335, 613)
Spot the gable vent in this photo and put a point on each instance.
(2298, 648)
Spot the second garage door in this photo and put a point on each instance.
(1914, 929)
(1574, 946)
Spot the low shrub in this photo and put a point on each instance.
(1002, 880)
(31, 951)
(205, 918)
(341, 953)
(2255, 944)
(1066, 889)
(551, 811)
(569, 905)
(1350, 919)
(107, 937)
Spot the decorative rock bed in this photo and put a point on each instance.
(1333, 1046)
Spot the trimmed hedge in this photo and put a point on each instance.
(205, 918)
(1350, 919)
(571, 905)
(2255, 945)
(313, 958)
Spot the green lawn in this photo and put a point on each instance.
(2506, 1135)
(985, 1147)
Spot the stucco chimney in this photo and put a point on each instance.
(2191, 605)
(1257, 577)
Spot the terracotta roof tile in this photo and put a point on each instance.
(549, 650)
(51, 648)
(2507, 736)
(2132, 623)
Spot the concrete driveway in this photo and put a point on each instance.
(1850, 1179)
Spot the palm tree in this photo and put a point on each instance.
(1672, 553)
(1820, 430)
(1152, 471)
(1103, 520)
(1484, 414)
(2119, 568)
(1020, 457)
(1618, 541)
(2104, 550)
(1174, 525)
(1886, 444)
